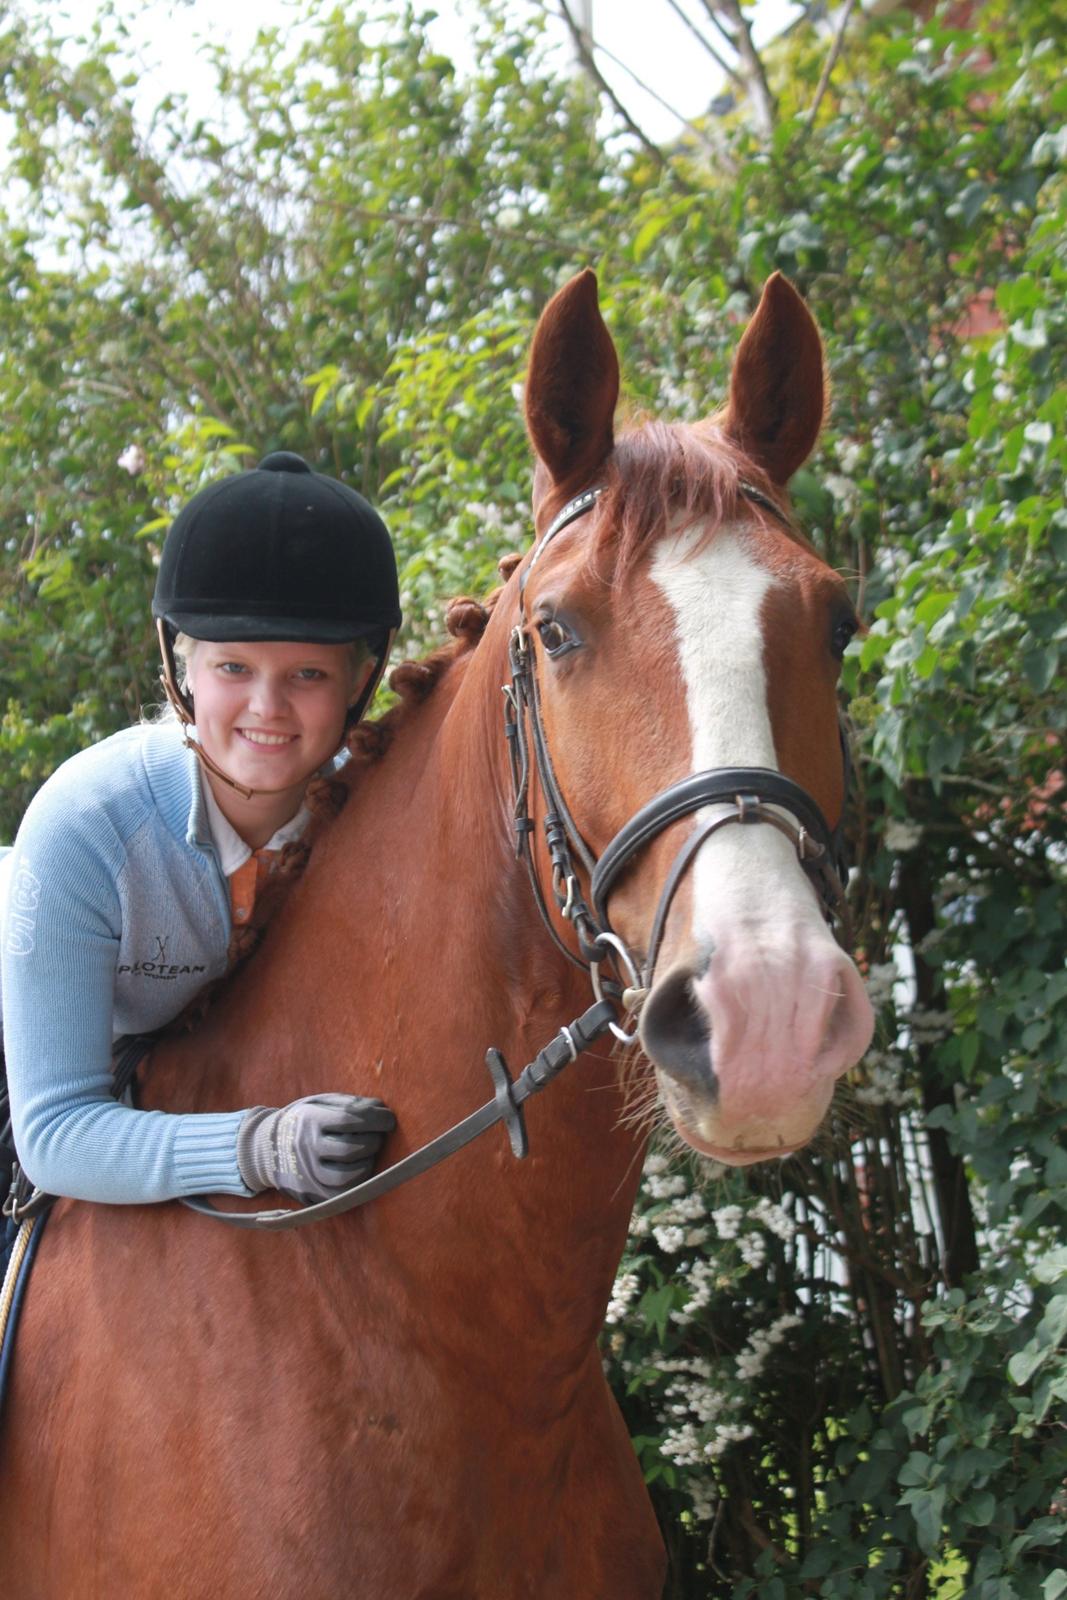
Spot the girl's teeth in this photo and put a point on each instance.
(265, 738)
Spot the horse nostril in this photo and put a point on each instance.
(676, 1032)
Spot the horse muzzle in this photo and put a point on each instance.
(749, 1041)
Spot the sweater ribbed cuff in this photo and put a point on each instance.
(205, 1154)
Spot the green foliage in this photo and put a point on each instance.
(353, 267)
(846, 1376)
(907, 1437)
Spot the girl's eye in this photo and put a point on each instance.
(556, 638)
(231, 668)
(310, 674)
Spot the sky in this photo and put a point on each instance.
(644, 34)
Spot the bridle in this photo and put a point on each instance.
(755, 794)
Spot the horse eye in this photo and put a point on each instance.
(844, 628)
(555, 637)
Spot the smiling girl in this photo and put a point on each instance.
(277, 590)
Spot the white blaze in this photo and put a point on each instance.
(785, 1009)
(716, 595)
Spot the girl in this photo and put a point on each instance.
(278, 588)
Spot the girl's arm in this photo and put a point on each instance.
(60, 942)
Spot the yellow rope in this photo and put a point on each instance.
(11, 1277)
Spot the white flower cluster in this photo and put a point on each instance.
(704, 1428)
(625, 1288)
(665, 1188)
(880, 983)
(844, 490)
(672, 1226)
(704, 1275)
(885, 1086)
(670, 1231)
(752, 1358)
(691, 1446)
(702, 1280)
(753, 1250)
(687, 1446)
(850, 454)
(773, 1218)
(929, 1027)
(902, 836)
(703, 1498)
(727, 1220)
(703, 1418)
(492, 517)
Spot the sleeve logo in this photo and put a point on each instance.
(23, 897)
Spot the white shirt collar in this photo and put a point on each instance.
(231, 849)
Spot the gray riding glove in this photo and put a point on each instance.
(311, 1149)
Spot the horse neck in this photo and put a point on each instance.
(411, 946)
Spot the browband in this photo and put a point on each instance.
(588, 498)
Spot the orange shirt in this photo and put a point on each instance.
(246, 883)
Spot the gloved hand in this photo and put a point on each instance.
(313, 1147)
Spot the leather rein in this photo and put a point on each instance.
(753, 794)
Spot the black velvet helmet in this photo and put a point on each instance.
(279, 552)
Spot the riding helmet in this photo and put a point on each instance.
(279, 552)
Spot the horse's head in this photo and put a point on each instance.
(680, 624)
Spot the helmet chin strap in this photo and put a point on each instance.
(183, 709)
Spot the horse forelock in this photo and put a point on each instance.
(670, 476)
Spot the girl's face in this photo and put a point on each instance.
(270, 714)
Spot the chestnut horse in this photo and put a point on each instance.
(407, 1402)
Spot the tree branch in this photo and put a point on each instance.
(585, 56)
(717, 21)
(707, 139)
(720, 61)
(830, 63)
(752, 71)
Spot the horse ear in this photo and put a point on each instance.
(572, 383)
(777, 387)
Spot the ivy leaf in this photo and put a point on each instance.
(927, 1506)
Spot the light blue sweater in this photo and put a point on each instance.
(115, 913)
